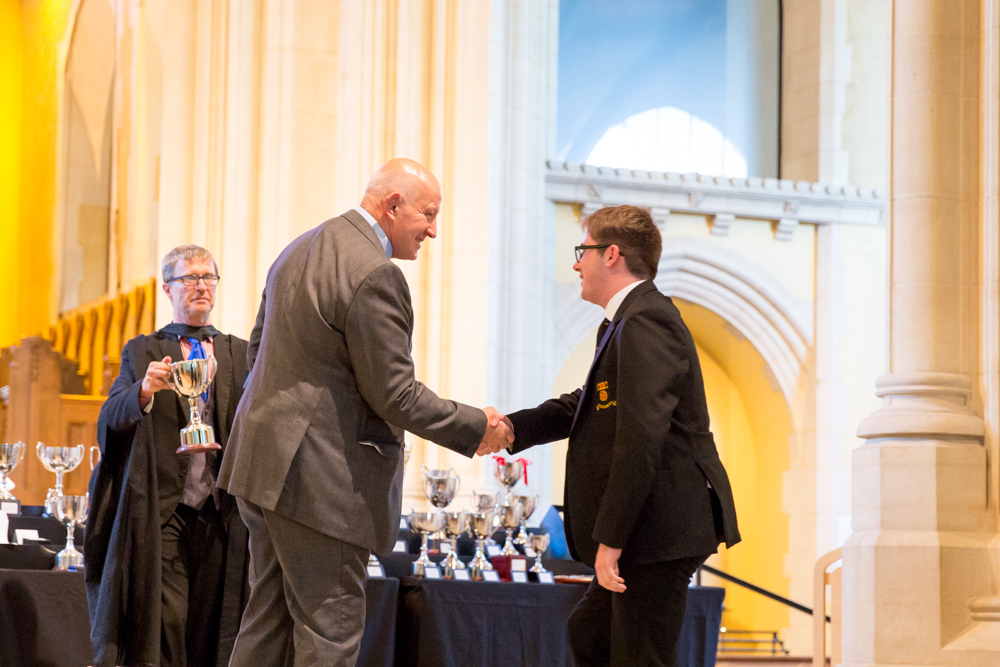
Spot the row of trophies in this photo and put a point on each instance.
(490, 511)
(189, 379)
(70, 510)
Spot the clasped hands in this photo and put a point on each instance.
(499, 433)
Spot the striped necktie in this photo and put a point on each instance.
(198, 352)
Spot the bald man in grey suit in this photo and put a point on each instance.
(314, 458)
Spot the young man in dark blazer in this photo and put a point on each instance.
(647, 499)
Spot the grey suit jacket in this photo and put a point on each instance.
(317, 436)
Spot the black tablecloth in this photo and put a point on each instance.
(44, 620)
(480, 624)
(463, 624)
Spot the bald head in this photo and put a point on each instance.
(404, 198)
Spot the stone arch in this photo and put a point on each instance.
(733, 287)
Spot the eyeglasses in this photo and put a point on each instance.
(191, 280)
(582, 249)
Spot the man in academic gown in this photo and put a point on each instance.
(647, 498)
(166, 549)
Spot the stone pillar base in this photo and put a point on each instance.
(920, 551)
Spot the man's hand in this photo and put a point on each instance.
(499, 433)
(155, 380)
(606, 566)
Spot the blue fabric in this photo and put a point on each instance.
(553, 525)
(198, 352)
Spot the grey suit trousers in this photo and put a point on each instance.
(304, 585)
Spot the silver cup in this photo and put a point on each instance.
(455, 523)
(424, 524)
(510, 518)
(59, 460)
(10, 455)
(190, 379)
(507, 472)
(539, 542)
(528, 503)
(440, 486)
(487, 502)
(481, 527)
(72, 511)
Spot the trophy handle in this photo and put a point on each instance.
(94, 449)
(423, 470)
(20, 451)
(213, 365)
(458, 480)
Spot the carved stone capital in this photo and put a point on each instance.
(721, 222)
(784, 229)
(923, 404)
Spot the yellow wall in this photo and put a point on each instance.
(30, 33)
(11, 59)
(751, 431)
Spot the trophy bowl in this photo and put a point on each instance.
(71, 511)
(539, 542)
(59, 460)
(11, 453)
(510, 518)
(485, 502)
(190, 379)
(455, 523)
(424, 524)
(481, 527)
(507, 472)
(528, 505)
(440, 486)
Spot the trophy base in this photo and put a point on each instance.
(198, 438)
(195, 449)
(68, 558)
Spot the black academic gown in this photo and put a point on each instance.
(136, 488)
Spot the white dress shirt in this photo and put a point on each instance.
(616, 301)
(386, 243)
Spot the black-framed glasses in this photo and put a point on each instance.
(191, 280)
(581, 249)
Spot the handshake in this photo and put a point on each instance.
(499, 433)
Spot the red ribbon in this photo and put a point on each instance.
(524, 462)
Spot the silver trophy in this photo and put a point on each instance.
(71, 511)
(510, 518)
(455, 523)
(487, 502)
(440, 486)
(481, 527)
(190, 379)
(59, 460)
(10, 455)
(539, 542)
(507, 472)
(424, 524)
(528, 505)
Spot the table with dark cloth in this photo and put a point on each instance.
(44, 620)
(463, 624)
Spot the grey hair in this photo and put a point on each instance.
(187, 253)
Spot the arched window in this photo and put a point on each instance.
(668, 139)
(670, 85)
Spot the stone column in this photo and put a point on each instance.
(918, 553)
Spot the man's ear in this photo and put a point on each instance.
(391, 202)
(612, 255)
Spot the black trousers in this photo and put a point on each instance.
(193, 545)
(639, 627)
